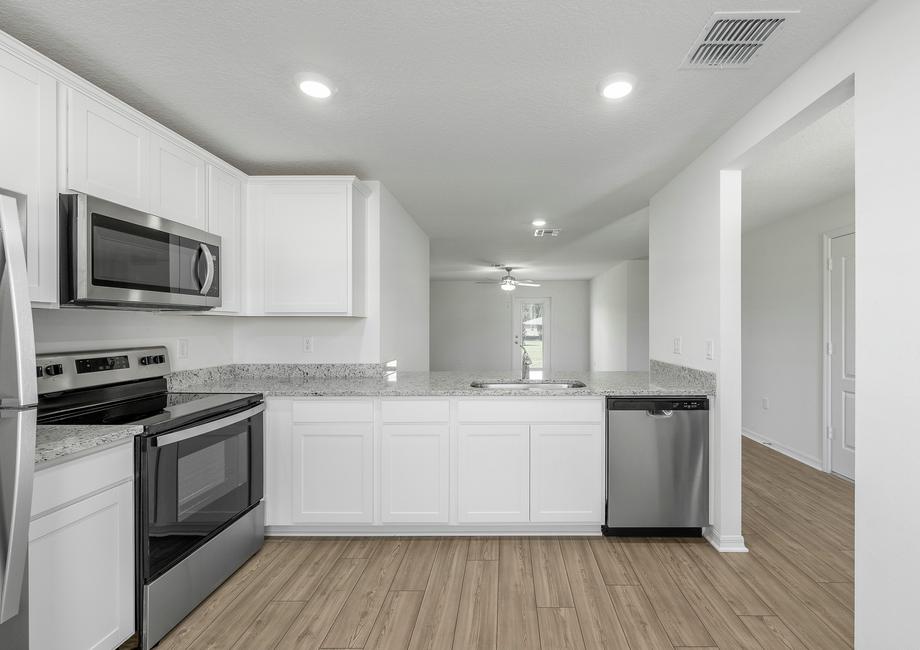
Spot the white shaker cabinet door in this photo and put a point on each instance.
(81, 573)
(108, 154)
(332, 472)
(415, 473)
(225, 219)
(177, 183)
(494, 473)
(28, 166)
(567, 473)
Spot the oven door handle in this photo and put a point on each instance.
(209, 265)
(208, 427)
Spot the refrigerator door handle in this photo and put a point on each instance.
(18, 386)
(17, 463)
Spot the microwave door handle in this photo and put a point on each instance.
(208, 427)
(209, 274)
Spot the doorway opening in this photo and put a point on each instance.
(531, 321)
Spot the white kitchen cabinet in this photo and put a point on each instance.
(81, 553)
(494, 473)
(225, 194)
(567, 473)
(28, 166)
(308, 246)
(108, 154)
(415, 473)
(177, 183)
(333, 461)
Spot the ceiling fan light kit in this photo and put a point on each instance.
(508, 282)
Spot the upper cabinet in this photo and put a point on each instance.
(177, 183)
(28, 166)
(108, 154)
(225, 206)
(308, 241)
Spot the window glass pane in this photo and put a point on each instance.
(532, 334)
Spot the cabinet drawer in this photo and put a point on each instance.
(333, 411)
(415, 410)
(72, 480)
(531, 410)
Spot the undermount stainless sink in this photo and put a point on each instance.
(528, 385)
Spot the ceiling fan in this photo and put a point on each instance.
(508, 282)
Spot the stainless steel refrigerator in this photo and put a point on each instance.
(18, 398)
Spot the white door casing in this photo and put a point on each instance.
(841, 347)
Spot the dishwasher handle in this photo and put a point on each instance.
(660, 414)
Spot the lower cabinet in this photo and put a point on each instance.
(567, 473)
(494, 473)
(81, 559)
(434, 462)
(333, 472)
(415, 473)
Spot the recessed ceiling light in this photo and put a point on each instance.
(317, 87)
(539, 222)
(617, 86)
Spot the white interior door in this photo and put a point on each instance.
(842, 355)
(531, 328)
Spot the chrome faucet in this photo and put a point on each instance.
(525, 363)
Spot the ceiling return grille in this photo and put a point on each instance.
(733, 40)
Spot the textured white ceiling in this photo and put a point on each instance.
(478, 115)
(812, 167)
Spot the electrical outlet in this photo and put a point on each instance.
(765, 403)
(182, 349)
(308, 344)
(710, 349)
(678, 345)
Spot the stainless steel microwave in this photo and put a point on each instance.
(117, 257)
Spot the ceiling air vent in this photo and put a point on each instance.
(546, 232)
(734, 39)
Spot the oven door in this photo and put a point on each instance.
(195, 482)
(131, 258)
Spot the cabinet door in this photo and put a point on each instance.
(306, 248)
(81, 573)
(333, 472)
(108, 154)
(28, 164)
(415, 472)
(224, 219)
(177, 183)
(494, 473)
(567, 473)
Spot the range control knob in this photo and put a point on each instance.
(54, 369)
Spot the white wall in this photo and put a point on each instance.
(210, 338)
(695, 253)
(781, 327)
(619, 317)
(404, 286)
(471, 324)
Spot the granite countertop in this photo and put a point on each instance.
(57, 441)
(440, 384)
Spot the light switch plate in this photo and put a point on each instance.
(710, 349)
(678, 345)
(765, 403)
(308, 344)
(182, 348)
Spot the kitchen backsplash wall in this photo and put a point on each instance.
(208, 339)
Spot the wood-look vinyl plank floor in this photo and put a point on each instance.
(793, 590)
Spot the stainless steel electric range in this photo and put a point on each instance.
(198, 471)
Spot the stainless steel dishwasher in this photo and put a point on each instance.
(657, 466)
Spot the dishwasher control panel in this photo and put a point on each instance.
(680, 403)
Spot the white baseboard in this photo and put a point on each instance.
(444, 530)
(785, 451)
(724, 543)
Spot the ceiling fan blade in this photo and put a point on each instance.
(526, 283)
(487, 282)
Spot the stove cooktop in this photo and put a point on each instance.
(159, 411)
